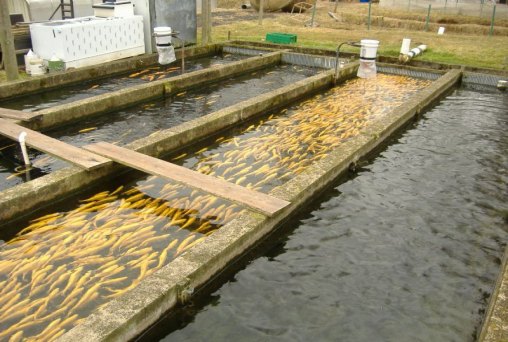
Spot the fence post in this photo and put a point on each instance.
(445, 3)
(261, 9)
(491, 33)
(313, 13)
(408, 5)
(481, 8)
(368, 20)
(428, 18)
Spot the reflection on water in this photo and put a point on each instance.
(408, 250)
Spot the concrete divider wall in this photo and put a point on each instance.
(66, 113)
(50, 81)
(23, 198)
(127, 316)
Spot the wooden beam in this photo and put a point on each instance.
(18, 115)
(258, 201)
(61, 150)
(7, 43)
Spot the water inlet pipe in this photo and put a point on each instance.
(413, 53)
(355, 44)
(502, 85)
(22, 143)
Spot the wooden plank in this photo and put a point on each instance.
(18, 115)
(41, 142)
(258, 201)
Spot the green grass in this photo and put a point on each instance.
(451, 48)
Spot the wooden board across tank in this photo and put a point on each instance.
(258, 201)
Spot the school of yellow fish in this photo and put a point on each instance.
(64, 265)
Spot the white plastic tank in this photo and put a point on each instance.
(28, 57)
(163, 44)
(368, 54)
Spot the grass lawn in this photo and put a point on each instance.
(477, 50)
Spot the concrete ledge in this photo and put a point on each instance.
(195, 267)
(66, 113)
(35, 194)
(50, 81)
(495, 323)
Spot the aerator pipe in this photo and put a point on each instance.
(356, 44)
(22, 143)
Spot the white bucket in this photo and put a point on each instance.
(406, 44)
(368, 53)
(369, 49)
(162, 35)
(440, 31)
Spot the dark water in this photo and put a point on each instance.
(124, 126)
(408, 250)
(87, 89)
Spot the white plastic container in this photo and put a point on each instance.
(368, 54)
(369, 49)
(405, 47)
(165, 50)
(440, 30)
(28, 57)
(82, 42)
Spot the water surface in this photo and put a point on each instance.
(408, 250)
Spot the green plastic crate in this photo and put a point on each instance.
(281, 38)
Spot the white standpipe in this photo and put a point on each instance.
(22, 139)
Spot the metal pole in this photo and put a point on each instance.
(261, 9)
(491, 33)
(336, 5)
(481, 8)
(445, 3)
(313, 13)
(428, 18)
(7, 43)
(183, 56)
(368, 19)
(409, 5)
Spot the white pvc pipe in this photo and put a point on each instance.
(416, 51)
(22, 139)
(406, 44)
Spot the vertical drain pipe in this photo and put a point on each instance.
(22, 143)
